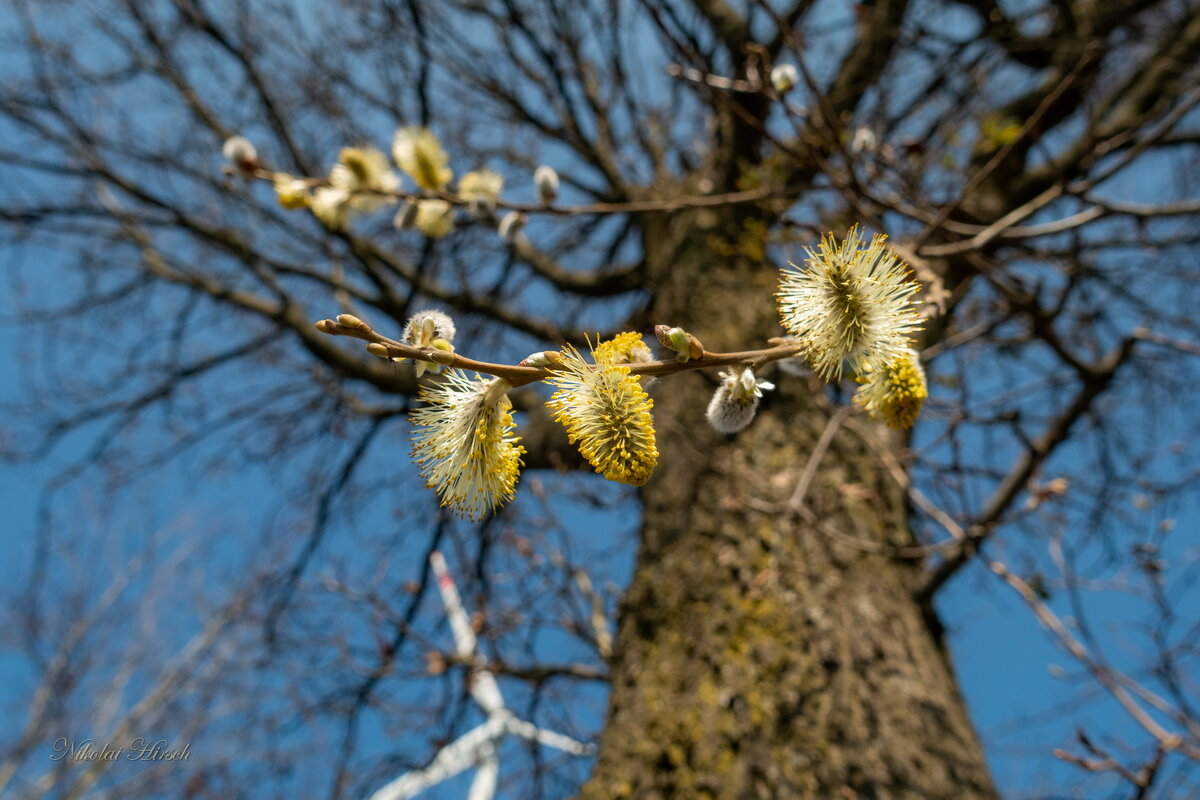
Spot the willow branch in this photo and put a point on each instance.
(1168, 740)
(518, 375)
(1095, 380)
(761, 193)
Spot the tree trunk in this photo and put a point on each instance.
(758, 656)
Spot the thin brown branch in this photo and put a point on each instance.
(761, 193)
(1168, 740)
(1095, 381)
(518, 375)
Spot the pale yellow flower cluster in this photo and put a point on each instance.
(418, 152)
(481, 189)
(291, 192)
(853, 306)
(464, 443)
(362, 181)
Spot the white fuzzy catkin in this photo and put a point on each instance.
(784, 78)
(546, 180)
(425, 326)
(726, 414)
(240, 153)
(864, 140)
(465, 444)
(735, 402)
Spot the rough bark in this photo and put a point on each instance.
(758, 657)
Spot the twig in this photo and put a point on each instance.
(1167, 740)
(517, 375)
(715, 81)
(633, 206)
(945, 211)
(814, 458)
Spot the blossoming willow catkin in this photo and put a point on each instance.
(851, 305)
(464, 444)
(606, 412)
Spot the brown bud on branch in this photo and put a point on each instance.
(686, 346)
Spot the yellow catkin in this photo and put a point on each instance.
(896, 393)
(481, 186)
(464, 445)
(851, 305)
(623, 348)
(606, 412)
(418, 152)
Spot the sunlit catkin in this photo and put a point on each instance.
(606, 412)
